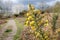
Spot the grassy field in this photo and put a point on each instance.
(20, 26)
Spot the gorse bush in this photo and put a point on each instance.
(35, 22)
(38, 25)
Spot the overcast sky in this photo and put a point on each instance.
(22, 4)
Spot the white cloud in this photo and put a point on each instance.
(57, 0)
(18, 8)
(51, 3)
(14, 1)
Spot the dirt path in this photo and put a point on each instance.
(9, 36)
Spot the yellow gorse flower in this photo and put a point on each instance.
(57, 30)
(27, 22)
(33, 28)
(33, 22)
(37, 34)
(46, 21)
(46, 24)
(40, 22)
(46, 37)
(30, 17)
(28, 14)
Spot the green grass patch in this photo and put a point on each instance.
(19, 29)
(8, 30)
